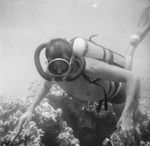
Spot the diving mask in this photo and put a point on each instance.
(60, 67)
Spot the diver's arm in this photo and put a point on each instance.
(26, 117)
(113, 73)
(42, 92)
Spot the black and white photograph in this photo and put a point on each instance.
(74, 72)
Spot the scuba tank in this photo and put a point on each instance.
(99, 52)
(89, 48)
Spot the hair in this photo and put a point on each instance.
(59, 48)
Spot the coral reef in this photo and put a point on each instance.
(61, 120)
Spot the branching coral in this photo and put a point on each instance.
(45, 118)
(66, 122)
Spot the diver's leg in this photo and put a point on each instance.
(142, 29)
(118, 101)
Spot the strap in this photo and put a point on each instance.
(91, 81)
(105, 94)
(90, 39)
(117, 85)
(108, 54)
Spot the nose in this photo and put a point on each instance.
(59, 70)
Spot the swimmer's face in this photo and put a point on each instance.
(59, 53)
(58, 67)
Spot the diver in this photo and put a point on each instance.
(91, 72)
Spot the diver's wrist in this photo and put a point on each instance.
(127, 113)
(30, 110)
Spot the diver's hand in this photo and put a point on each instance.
(126, 125)
(25, 118)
